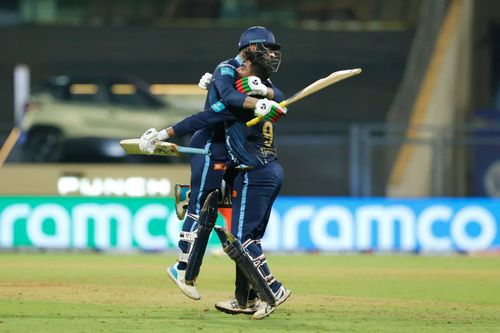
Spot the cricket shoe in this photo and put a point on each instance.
(265, 309)
(181, 194)
(233, 307)
(178, 277)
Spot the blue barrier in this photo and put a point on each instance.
(296, 224)
(350, 224)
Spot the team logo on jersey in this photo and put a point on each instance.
(227, 71)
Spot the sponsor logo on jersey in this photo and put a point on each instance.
(217, 106)
(219, 166)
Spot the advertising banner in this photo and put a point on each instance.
(352, 224)
(296, 224)
(121, 224)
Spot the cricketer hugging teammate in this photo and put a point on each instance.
(240, 170)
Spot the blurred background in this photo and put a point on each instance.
(412, 142)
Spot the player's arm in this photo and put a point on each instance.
(263, 89)
(269, 110)
(270, 92)
(278, 95)
(198, 121)
(246, 86)
(186, 126)
(224, 78)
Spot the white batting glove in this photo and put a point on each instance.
(251, 85)
(269, 110)
(205, 81)
(148, 139)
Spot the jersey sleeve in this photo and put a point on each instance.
(201, 120)
(224, 78)
(278, 94)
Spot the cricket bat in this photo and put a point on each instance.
(312, 88)
(162, 148)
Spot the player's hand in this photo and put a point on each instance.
(251, 85)
(269, 110)
(147, 141)
(205, 81)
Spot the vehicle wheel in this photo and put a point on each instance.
(44, 146)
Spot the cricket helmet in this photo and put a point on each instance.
(258, 35)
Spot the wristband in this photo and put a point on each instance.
(163, 135)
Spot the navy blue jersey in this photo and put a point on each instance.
(250, 146)
(221, 93)
(247, 146)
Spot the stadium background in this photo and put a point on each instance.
(402, 159)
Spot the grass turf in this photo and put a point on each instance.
(61, 292)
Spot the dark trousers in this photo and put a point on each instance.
(256, 190)
(206, 176)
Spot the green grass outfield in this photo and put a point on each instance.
(61, 292)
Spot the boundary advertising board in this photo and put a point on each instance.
(296, 224)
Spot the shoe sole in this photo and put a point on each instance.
(288, 292)
(234, 312)
(170, 275)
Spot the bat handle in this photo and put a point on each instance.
(254, 121)
(189, 150)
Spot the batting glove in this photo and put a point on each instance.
(269, 110)
(251, 85)
(148, 139)
(205, 81)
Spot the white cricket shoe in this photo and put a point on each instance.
(265, 309)
(233, 307)
(178, 277)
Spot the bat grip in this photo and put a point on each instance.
(254, 121)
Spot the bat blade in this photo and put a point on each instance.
(312, 88)
(162, 148)
(321, 84)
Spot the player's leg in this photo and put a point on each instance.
(182, 193)
(249, 273)
(245, 301)
(177, 270)
(206, 222)
(280, 292)
(259, 189)
(256, 191)
(204, 179)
